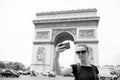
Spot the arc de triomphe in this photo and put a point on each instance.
(79, 26)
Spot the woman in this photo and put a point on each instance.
(86, 71)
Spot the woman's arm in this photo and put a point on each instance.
(58, 69)
(57, 65)
(98, 76)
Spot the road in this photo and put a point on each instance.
(41, 78)
(38, 78)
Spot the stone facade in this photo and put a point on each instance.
(51, 28)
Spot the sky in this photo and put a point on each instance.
(17, 29)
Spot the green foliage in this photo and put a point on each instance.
(12, 65)
(2, 65)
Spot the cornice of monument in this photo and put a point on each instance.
(67, 12)
(66, 16)
(86, 41)
(79, 41)
(95, 18)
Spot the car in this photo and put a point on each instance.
(9, 73)
(0, 72)
(26, 72)
(106, 73)
(44, 73)
(116, 72)
(49, 73)
(20, 72)
(69, 75)
(33, 73)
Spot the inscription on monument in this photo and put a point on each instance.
(84, 34)
(42, 35)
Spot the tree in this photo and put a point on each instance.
(2, 65)
(9, 65)
(12, 65)
(18, 66)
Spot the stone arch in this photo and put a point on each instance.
(51, 28)
(62, 37)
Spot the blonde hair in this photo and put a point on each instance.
(85, 46)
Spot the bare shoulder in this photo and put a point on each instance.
(67, 70)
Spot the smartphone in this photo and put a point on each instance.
(67, 45)
(64, 45)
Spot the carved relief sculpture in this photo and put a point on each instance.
(42, 34)
(40, 54)
(91, 55)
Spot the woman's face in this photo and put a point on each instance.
(82, 53)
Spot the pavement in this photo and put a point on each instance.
(39, 77)
(23, 77)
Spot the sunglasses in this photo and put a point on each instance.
(81, 52)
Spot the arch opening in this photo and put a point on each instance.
(62, 37)
(69, 53)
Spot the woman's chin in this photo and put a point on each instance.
(82, 58)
